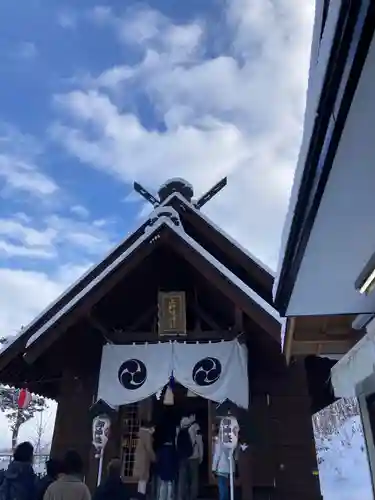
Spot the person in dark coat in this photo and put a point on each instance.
(19, 481)
(53, 469)
(112, 488)
(166, 469)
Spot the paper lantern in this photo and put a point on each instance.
(100, 432)
(191, 394)
(24, 399)
(229, 430)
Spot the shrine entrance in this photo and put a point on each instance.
(166, 419)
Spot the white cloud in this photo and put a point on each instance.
(28, 292)
(19, 155)
(80, 211)
(52, 236)
(238, 114)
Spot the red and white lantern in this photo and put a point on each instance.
(24, 399)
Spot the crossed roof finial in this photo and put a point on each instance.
(181, 186)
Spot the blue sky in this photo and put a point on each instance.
(96, 95)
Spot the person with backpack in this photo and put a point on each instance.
(19, 481)
(189, 445)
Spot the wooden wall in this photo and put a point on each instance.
(280, 462)
(284, 459)
(78, 388)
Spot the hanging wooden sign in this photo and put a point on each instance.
(172, 314)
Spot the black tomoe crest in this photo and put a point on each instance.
(132, 374)
(207, 371)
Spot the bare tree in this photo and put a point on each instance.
(9, 405)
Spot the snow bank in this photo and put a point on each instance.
(343, 464)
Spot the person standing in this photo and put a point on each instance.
(69, 485)
(144, 457)
(19, 480)
(53, 469)
(189, 444)
(221, 466)
(166, 469)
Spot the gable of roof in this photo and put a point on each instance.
(139, 242)
(227, 250)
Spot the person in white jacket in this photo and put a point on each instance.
(221, 467)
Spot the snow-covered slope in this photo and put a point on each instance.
(342, 457)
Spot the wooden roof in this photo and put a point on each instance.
(320, 335)
(214, 255)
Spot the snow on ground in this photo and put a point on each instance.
(343, 465)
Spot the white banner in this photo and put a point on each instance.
(130, 373)
(215, 371)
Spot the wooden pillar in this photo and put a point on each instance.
(245, 469)
(292, 435)
(73, 424)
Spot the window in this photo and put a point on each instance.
(130, 429)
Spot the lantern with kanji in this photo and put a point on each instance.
(24, 399)
(100, 432)
(229, 430)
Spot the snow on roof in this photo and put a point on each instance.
(177, 179)
(219, 230)
(95, 281)
(228, 274)
(148, 235)
(11, 339)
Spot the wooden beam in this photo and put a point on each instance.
(234, 293)
(306, 348)
(97, 325)
(238, 319)
(146, 315)
(288, 339)
(321, 336)
(126, 337)
(203, 315)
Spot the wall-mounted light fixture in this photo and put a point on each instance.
(365, 282)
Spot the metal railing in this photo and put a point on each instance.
(39, 462)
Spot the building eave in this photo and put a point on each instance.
(353, 36)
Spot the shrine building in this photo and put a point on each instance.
(178, 298)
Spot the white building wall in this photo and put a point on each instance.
(343, 237)
(320, 51)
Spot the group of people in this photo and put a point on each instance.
(175, 462)
(63, 479)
